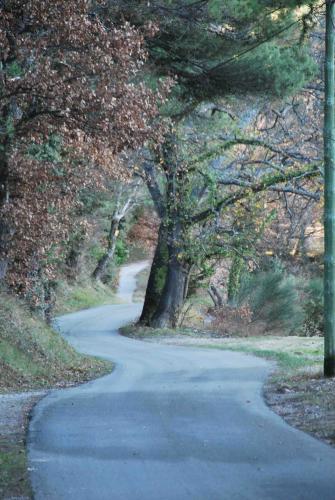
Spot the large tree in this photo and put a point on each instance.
(200, 182)
(214, 49)
(68, 106)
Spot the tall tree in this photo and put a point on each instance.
(65, 74)
(329, 147)
(197, 178)
(215, 48)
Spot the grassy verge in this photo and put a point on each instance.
(141, 285)
(293, 355)
(82, 295)
(85, 292)
(14, 475)
(296, 390)
(161, 334)
(33, 355)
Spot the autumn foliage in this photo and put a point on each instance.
(68, 106)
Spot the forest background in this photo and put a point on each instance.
(186, 132)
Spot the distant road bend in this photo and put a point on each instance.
(170, 423)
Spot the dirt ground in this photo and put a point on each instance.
(307, 403)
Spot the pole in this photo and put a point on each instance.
(329, 214)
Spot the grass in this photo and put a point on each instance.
(14, 479)
(290, 353)
(32, 355)
(136, 253)
(83, 295)
(141, 285)
(143, 332)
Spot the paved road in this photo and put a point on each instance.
(170, 423)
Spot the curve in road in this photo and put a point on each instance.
(170, 423)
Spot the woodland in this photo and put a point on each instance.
(186, 132)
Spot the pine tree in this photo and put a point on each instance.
(215, 47)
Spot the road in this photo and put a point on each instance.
(170, 423)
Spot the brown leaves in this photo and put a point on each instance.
(74, 72)
(64, 72)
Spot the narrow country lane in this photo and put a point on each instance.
(170, 423)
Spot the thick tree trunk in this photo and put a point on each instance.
(157, 278)
(329, 152)
(100, 270)
(175, 287)
(173, 294)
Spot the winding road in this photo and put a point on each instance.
(170, 423)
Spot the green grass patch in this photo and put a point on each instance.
(32, 355)
(143, 332)
(83, 295)
(14, 481)
(283, 359)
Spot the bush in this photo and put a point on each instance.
(231, 320)
(272, 300)
(273, 297)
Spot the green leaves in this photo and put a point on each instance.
(50, 151)
(14, 70)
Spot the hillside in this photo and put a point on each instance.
(32, 355)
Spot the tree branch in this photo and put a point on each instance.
(266, 183)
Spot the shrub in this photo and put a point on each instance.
(273, 297)
(231, 320)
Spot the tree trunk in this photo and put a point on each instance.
(173, 295)
(175, 287)
(215, 296)
(157, 278)
(100, 270)
(234, 280)
(329, 219)
(187, 280)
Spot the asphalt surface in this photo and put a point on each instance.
(170, 423)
